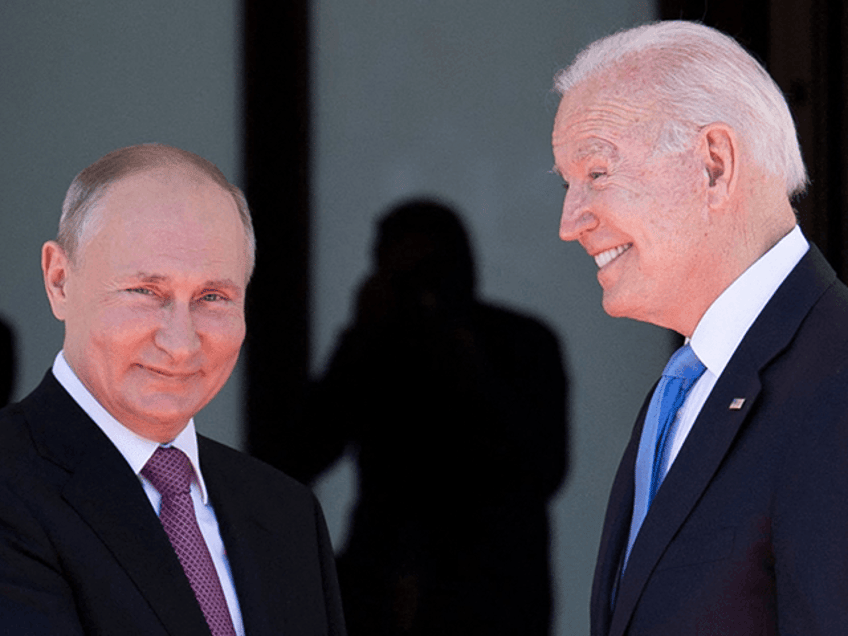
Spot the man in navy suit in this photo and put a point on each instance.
(680, 160)
(149, 273)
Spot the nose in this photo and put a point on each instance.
(577, 216)
(177, 334)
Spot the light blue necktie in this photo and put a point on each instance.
(679, 375)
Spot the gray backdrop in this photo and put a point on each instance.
(79, 78)
(411, 97)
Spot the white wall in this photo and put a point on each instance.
(79, 78)
(453, 98)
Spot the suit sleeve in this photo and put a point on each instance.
(811, 527)
(35, 597)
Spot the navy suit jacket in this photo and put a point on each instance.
(748, 533)
(82, 550)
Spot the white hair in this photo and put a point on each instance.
(701, 76)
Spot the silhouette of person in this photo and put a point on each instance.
(7, 363)
(456, 410)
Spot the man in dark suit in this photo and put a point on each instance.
(149, 273)
(728, 512)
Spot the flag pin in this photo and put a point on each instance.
(736, 404)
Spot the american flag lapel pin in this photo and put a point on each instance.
(736, 404)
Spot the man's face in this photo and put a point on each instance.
(637, 212)
(154, 306)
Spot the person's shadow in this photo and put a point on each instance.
(456, 410)
(7, 363)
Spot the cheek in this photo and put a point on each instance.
(122, 329)
(223, 336)
(672, 213)
(680, 180)
(630, 195)
(111, 330)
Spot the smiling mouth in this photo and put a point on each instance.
(170, 375)
(608, 256)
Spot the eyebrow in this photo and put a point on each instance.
(224, 283)
(144, 277)
(595, 147)
(590, 148)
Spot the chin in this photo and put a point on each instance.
(614, 306)
(624, 303)
(166, 410)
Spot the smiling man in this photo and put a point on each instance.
(149, 275)
(729, 511)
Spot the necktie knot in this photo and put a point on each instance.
(681, 372)
(684, 365)
(169, 470)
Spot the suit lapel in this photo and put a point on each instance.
(239, 537)
(713, 432)
(108, 496)
(689, 476)
(272, 544)
(614, 535)
(249, 545)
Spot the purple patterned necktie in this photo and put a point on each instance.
(170, 472)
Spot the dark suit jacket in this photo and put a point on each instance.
(82, 551)
(748, 533)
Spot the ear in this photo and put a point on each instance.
(720, 154)
(55, 267)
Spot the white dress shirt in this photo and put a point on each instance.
(728, 319)
(137, 450)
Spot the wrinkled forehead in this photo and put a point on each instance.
(626, 90)
(619, 103)
(593, 121)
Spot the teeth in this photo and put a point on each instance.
(605, 257)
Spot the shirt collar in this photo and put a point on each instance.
(135, 449)
(728, 319)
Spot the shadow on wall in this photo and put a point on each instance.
(7, 363)
(456, 411)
